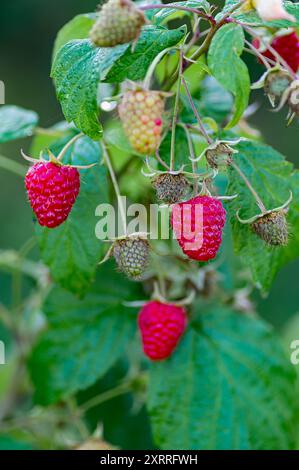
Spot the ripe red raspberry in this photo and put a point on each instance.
(161, 326)
(52, 190)
(287, 46)
(198, 225)
(141, 114)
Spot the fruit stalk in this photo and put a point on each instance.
(176, 112)
(257, 198)
(115, 186)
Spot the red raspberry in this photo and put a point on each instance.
(198, 225)
(161, 327)
(52, 191)
(287, 46)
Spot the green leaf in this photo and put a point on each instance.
(72, 250)
(273, 178)
(85, 337)
(229, 385)
(76, 72)
(133, 64)
(77, 28)
(16, 123)
(227, 67)
(78, 67)
(166, 14)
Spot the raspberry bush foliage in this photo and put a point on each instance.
(156, 99)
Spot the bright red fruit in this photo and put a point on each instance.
(198, 225)
(161, 326)
(52, 190)
(287, 47)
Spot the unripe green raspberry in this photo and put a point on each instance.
(119, 22)
(272, 228)
(132, 256)
(170, 188)
(141, 113)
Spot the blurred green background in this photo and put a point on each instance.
(27, 32)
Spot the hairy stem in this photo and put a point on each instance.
(175, 113)
(192, 155)
(258, 200)
(151, 70)
(205, 45)
(200, 124)
(115, 186)
(12, 166)
(256, 52)
(68, 145)
(179, 7)
(105, 396)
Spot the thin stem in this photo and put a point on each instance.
(115, 186)
(49, 132)
(68, 145)
(12, 166)
(179, 7)
(200, 124)
(103, 397)
(258, 200)
(176, 112)
(197, 54)
(250, 51)
(192, 155)
(161, 161)
(151, 70)
(195, 36)
(205, 45)
(256, 52)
